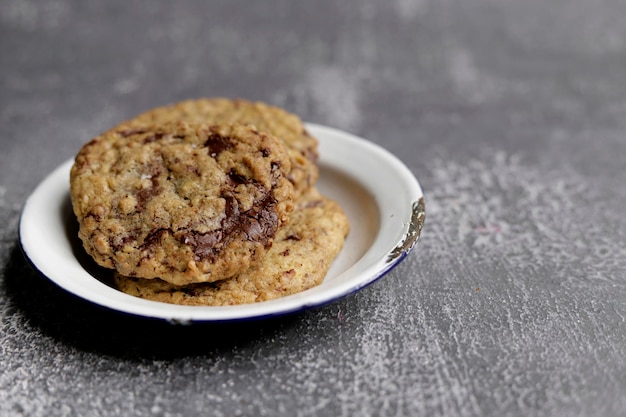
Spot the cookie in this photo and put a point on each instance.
(299, 259)
(185, 202)
(288, 127)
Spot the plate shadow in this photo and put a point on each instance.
(89, 327)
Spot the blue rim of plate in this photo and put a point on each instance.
(386, 183)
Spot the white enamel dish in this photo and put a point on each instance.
(380, 195)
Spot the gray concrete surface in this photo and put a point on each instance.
(512, 114)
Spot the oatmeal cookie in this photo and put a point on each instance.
(288, 127)
(186, 202)
(298, 260)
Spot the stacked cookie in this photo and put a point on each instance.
(207, 202)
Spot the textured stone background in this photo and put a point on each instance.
(511, 113)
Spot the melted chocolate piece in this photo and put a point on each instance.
(205, 245)
(238, 178)
(261, 221)
(89, 144)
(217, 144)
(153, 138)
(231, 211)
(130, 132)
(258, 224)
(143, 196)
(153, 239)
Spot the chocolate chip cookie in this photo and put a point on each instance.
(299, 259)
(185, 202)
(288, 127)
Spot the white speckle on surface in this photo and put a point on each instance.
(30, 15)
(126, 86)
(500, 207)
(583, 25)
(19, 12)
(469, 81)
(474, 202)
(336, 95)
(408, 10)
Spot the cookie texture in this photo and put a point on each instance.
(301, 146)
(185, 202)
(298, 260)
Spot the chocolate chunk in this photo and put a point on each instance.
(257, 224)
(231, 211)
(275, 165)
(237, 178)
(129, 132)
(152, 239)
(89, 144)
(205, 245)
(262, 220)
(143, 196)
(153, 138)
(217, 144)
